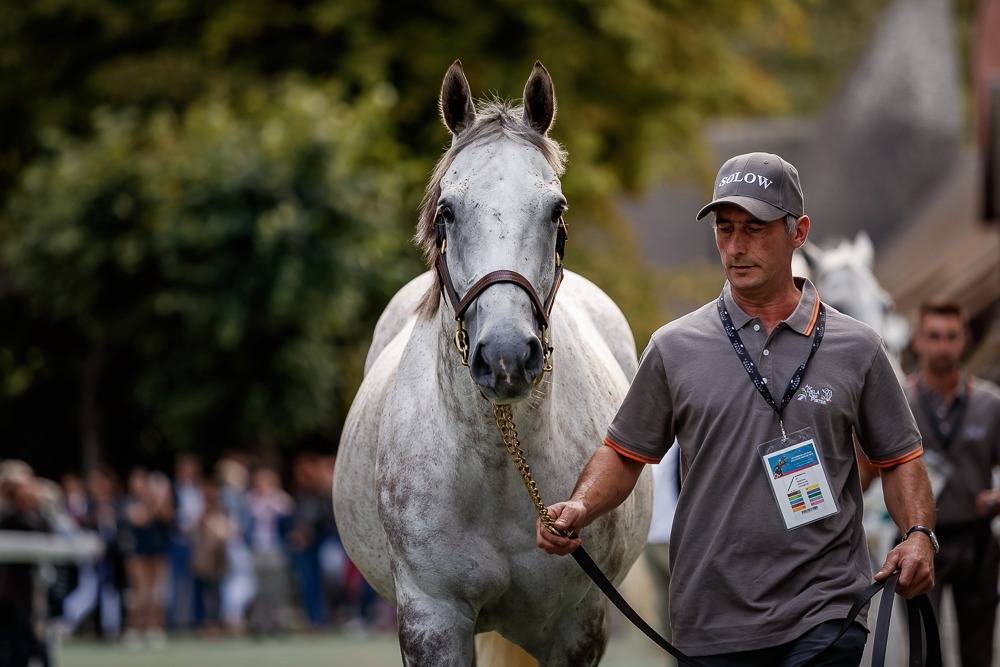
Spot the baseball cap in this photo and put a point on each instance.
(762, 184)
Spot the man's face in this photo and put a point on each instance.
(939, 342)
(756, 254)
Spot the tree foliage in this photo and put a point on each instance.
(236, 254)
(216, 239)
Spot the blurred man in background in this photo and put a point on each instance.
(959, 419)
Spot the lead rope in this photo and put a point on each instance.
(508, 431)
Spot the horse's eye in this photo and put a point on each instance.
(557, 211)
(446, 213)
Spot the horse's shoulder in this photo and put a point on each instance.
(586, 297)
(381, 373)
(402, 308)
(584, 301)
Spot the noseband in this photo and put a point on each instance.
(461, 304)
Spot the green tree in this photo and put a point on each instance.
(234, 257)
(156, 251)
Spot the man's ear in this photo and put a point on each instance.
(801, 232)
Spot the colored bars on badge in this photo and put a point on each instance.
(813, 497)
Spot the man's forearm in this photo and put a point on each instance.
(606, 482)
(908, 496)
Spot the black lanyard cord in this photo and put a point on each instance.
(956, 409)
(751, 367)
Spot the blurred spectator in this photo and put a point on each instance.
(57, 578)
(20, 509)
(189, 502)
(239, 586)
(270, 513)
(332, 556)
(145, 540)
(99, 584)
(307, 531)
(209, 560)
(363, 602)
(75, 495)
(959, 420)
(355, 604)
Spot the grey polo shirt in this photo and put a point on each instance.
(974, 450)
(740, 580)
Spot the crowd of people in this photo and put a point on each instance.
(234, 552)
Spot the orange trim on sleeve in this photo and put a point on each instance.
(814, 317)
(627, 453)
(905, 458)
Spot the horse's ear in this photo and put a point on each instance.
(539, 99)
(457, 110)
(864, 248)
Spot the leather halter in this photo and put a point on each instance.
(460, 304)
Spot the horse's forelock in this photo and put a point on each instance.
(496, 118)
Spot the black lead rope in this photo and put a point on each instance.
(919, 609)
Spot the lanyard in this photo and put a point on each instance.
(945, 431)
(751, 367)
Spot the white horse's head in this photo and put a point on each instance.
(491, 217)
(844, 278)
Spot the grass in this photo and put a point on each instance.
(628, 649)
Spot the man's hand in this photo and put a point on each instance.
(569, 517)
(914, 558)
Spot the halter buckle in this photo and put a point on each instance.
(462, 342)
(547, 351)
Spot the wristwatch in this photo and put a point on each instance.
(926, 531)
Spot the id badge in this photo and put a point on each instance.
(795, 471)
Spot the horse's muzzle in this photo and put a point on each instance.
(506, 368)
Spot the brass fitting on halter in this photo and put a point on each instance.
(462, 342)
(547, 351)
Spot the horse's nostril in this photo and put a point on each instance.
(535, 360)
(480, 367)
(508, 368)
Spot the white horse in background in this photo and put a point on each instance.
(843, 275)
(428, 503)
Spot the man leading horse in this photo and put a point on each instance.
(765, 565)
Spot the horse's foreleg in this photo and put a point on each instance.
(434, 632)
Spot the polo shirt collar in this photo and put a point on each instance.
(803, 318)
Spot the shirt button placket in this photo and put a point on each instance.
(763, 360)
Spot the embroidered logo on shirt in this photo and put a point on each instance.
(822, 396)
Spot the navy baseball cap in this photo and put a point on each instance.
(762, 184)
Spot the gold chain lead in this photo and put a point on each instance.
(508, 431)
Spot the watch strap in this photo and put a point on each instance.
(926, 531)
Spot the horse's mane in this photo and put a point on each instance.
(495, 119)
